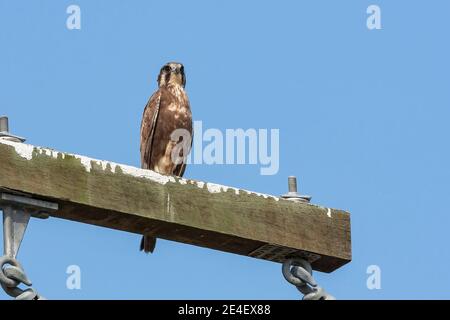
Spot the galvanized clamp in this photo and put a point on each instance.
(299, 273)
(17, 211)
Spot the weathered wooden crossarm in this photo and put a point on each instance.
(204, 214)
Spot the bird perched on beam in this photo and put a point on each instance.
(166, 130)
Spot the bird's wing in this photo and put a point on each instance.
(148, 126)
(181, 168)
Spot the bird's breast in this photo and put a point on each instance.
(178, 104)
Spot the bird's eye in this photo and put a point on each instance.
(182, 69)
(166, 68)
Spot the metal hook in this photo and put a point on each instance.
(299, 273)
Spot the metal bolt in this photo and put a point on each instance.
(293, 194)
(4, 127)
(292, 184)
(4, 131)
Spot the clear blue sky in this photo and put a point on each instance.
(363, 118)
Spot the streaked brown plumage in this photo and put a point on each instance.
(167, 110)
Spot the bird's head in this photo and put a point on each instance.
(172, 73)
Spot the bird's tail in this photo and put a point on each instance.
(148, 244)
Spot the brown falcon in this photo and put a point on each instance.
(167, 110)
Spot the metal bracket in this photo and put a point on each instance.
(17, 211)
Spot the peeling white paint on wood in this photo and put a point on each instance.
(199, 184)
(23, 150)
(147, 174)
(215, 188)
(265, 196)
